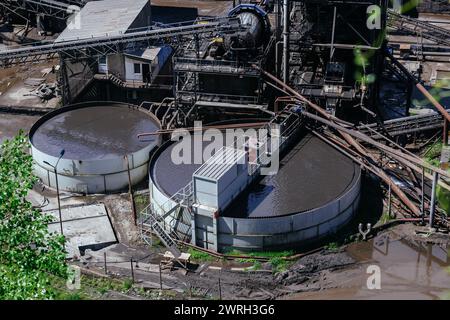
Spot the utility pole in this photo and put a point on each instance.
(160, 277)
(132, 270)
(104, 260)
(390, 201)
(130, 190)
(220, 290)
(55, 171)
(445, 134)
(422, 200)
(433, 198)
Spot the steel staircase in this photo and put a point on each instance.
(165, 238)
(153, 219)
(114, 79)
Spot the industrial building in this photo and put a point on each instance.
(127, 71)
(308, 72)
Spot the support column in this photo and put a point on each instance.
(445, 133)
(433, 198)
(64, 82)
(278, 20)
(215, 232)
(286, 41)
(40, 24)
(193, 230)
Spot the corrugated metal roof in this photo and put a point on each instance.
(221, 162)
(101, 18)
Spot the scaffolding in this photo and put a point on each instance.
(190, 89)
(324, 40)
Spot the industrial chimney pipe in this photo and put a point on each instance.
(286, 41)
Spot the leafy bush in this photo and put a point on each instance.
(199, 255)
(443, 196)
(29, 254)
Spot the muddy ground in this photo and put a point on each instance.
(413, 265)
(10, 124)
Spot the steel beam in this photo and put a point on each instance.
(100, 46)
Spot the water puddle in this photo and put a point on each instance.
(409, 270)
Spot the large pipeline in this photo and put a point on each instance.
(346, 134)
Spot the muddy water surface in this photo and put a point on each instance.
(409, 270)
(94, 133)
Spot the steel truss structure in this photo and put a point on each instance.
(101, 46)
(405, 125)
(324, 39)
(60, 9)
(417, 27)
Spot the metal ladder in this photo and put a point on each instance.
(151, 220)
(165, 238)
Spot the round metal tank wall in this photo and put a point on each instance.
(161, 201)
(267, 233)
(98, 139)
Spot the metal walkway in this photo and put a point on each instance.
(152, 219)
(418, 27)
(406, 125)
(151, 223)
(100, 46)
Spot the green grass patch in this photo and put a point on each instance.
(385, 218)
(141, 201)
(279, 264)
(262, 254)
(200, 255)
(127, 284)
(433, 155)
(332, 246)
(276, 259)
(443, 197)
(257, 265)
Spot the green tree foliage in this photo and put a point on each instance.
(443, 196)
(29, 255)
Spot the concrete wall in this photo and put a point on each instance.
(116, 65)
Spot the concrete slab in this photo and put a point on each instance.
(85, 227)
(16, 93)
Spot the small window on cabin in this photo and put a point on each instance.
(137, 68)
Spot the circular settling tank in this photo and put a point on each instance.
(101, 148)
(315, 192)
